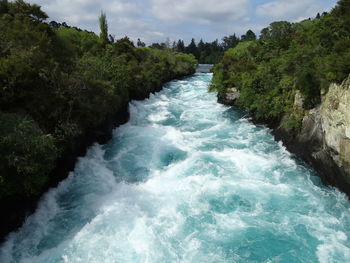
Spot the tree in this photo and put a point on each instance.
(280, 29)
(54, 24)
(201, 45)
(343, 7)
(103, 28)
(276, 30)
(140, 43)
(21, 7)
(215, 44)
(180, 46)
(156, 46)
(192, 48)
(111, 39)
(265, 34)
(249, 36)
(230, 42)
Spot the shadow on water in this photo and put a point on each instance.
(234, 114)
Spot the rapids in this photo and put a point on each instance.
(186, 180)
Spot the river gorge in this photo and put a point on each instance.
(186, 180)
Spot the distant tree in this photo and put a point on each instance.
(54, 24)
(140, 43)
(276, 30)
(280, 29)
(204, 52)
(230, 42)
(78, 29)
(156, 46)
(111, 39)
(180, 47)
(123, 46)
(215, 44)
(103, 28)
(192, 48)
(342, 8)
(201, 45)
(318, 16)
(265, 34)
(249, 36)
(21, 7)
(201, 50)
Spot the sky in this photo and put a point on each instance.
(157, 20)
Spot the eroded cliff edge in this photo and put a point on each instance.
(323, 140)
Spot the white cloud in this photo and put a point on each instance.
(123, 17)
(154, 20)
(291, 10)
(200, 11)
(127, 9)
(134, 29)
(85, 12)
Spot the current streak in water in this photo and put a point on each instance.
(186, 180)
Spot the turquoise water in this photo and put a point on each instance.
(186, 180)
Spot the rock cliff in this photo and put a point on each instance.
(324, 138)
(335, 117)
(230, 96)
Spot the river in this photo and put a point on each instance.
(186, 180)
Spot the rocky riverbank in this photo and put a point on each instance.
(16, 208)
(323, 140)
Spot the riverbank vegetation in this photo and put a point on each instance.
(58, 82)
(305, 56)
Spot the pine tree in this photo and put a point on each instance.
(230, 42)
(249, 36)
(103, 28)
(180, 46)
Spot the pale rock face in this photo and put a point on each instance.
(298, 100)
(335, 117)
(232, 94)
(324, 138)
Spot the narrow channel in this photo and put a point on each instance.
(186, 180)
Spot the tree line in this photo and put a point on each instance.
(204, 52)
(288, 58)
(212, 52)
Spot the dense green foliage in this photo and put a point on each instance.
(305, 56)
(207, 52)
(57, 83)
